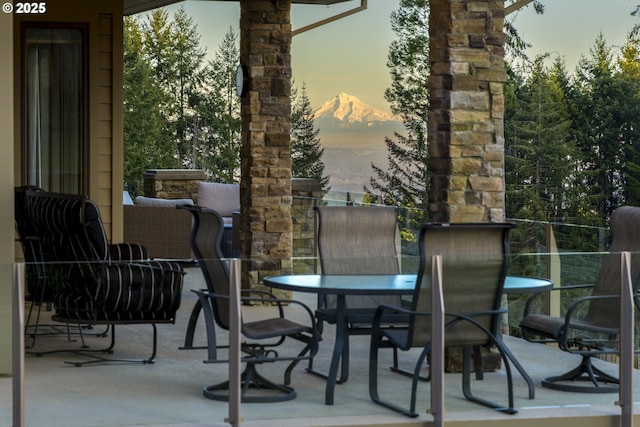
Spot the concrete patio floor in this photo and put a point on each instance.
(169, 392)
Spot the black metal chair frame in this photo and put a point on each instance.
(264, 335)
(597, 331)
(455, 322)
(585, 334)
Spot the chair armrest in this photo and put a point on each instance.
(270, 299)
(536, 294)
(128, 252)
(142, 287)
(570, 320)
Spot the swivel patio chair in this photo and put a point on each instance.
(591, 324)
(262, 337)
(474, 258)
(357, 240)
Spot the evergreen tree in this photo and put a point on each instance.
(540, 151)
(145, 146)
(629, 73)
(404, 181)
(173, 48)
(218, 137)
(306, 151)
(604, 127)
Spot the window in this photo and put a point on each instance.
(54, 108)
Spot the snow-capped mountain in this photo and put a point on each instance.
(345, 110)
(353, 136)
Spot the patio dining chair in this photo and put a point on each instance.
(591, 324)
(263, 338)
(357, 240)
(474, 258)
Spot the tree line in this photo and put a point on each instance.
(572, 150)
(182, 111)
(571, 140)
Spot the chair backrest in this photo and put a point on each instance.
(358, 240)
(625, 236)
(206, 236)
(474, 263)
(24, 226)
(68, 225)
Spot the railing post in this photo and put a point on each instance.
(626, 341)
(437, 343)
(553, 270)
(235, 319)
(18, 344)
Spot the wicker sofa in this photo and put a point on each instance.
(164, 230)
(159, 226)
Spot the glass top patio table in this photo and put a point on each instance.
(342, 285)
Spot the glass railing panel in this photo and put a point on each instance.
(169, 391)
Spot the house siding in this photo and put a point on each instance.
(104, 161)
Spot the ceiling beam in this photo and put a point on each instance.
(517, 5)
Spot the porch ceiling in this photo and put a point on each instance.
(137, 6)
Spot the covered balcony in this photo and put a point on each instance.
(169, 391)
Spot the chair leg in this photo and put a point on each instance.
(101, 359)
(210, 327)
(373, 380)
(294, 363)
(344, 363)
(191, 328)
(395, 368)
(466, 382)
(585, 371)
(520, 368)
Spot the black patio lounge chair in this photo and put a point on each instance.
(591, 323)
(263, 337)
(474, 259)
(94, 282)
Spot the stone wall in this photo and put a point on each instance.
(466, 134)
(173, 183)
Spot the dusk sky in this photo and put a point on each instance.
(349, 55)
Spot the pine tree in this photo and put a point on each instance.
(629, 73)
(604, 127)
(541, 158)
(173, 47)
(306, 150)
(405, 180)
(217, 146)
(145, 146)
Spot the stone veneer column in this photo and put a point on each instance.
(466, 133)
(265, 186)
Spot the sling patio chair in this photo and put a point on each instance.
(591, 324)
(262, 338)
(474, 259)
(357, 240)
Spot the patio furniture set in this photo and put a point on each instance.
(360, 291)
